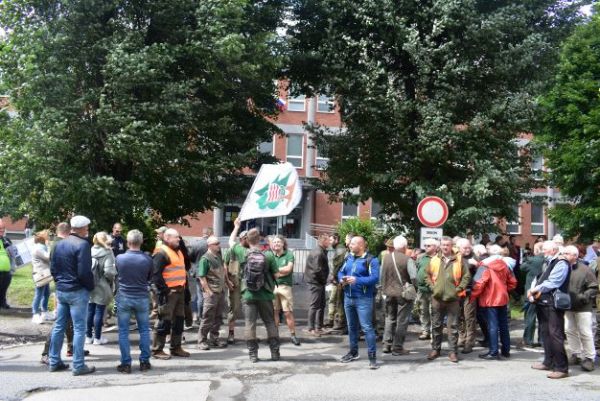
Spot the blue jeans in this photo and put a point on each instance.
(359, 311)
(497, 318)
(41, 297)
(73, 303)
(95, 317)
(141, 309)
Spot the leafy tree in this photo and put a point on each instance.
(571, 132)
(433, 95)
(129, 109)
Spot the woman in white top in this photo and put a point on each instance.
(41, 277)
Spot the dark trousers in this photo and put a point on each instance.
(5, 279)
(483, 325)
(440, 310)
(530, 323)
(552, 328)
(316, 311)
(263, 309)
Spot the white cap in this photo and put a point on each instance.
(79, 221)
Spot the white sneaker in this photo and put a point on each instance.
(48, 316)
(100, 341)
(37, 319)
(88, 340)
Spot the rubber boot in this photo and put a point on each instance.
(252, 350)
(274, 346)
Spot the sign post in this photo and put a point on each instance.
(432, 212)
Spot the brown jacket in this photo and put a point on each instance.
(390, 284)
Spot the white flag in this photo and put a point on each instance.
(276, 192)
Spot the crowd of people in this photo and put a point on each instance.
(450, 283)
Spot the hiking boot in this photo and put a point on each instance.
(145, 366)
(231, 339)
(400, 352)
(161, 355)
(587, 365)
(539, 366)
(59, 368)
(453, 357)
(124, 368)
(86, 370)
(203, 345)
(295, 340)
(467, 349)
(180, 352)
(574, 360)
(425, 336)
(557, 375)
(274, 346)
(349, 357)
(433, 355)
(373, 362)
(252, 350)
(387, 349)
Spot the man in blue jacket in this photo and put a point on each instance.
(358, 276)
(71, 267)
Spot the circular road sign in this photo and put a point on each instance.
(432, 211)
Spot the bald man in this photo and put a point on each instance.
(168, 280)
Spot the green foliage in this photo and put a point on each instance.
(433, 95)
(366, 228)
(133, 109)
(571, 132)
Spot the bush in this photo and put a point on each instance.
(366, 228)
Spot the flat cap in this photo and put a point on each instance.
(79, 221)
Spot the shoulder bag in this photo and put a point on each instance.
(409, 292)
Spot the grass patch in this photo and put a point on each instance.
(21, 290)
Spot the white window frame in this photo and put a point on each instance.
(329, 103)
(346, 217)
(295, 157)
(538, 224)
(537, 172)
(517, 223)
(296, 100)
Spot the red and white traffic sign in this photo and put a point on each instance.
(432, 211)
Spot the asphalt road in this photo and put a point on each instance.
(308, 372)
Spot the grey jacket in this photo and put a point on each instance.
(102, 292)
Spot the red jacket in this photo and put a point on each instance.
(495, 283)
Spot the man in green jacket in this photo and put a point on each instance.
(447, 276)
(431, 247)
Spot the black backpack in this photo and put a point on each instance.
(255, 270)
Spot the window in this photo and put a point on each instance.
(537, 167)
(375, 209)
(514, 227)
(266, 147)
(296, 103)
(295, 149)
(324, 104)
(321, 162)
(349, 210)
(537, 218)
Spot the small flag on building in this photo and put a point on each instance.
(276, 192)
(280, 104)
